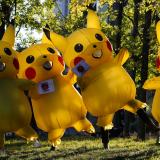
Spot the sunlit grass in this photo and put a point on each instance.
(82, 147)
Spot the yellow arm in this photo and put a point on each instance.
(122, 56)
(153, 83)
(71, 77)
(33, 92)
(25, 84)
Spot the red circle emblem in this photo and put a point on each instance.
(30, 73)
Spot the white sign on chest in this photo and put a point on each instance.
(45, 87)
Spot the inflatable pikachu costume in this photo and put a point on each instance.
(154, 84)
(56, 104)
(15, 111)
(106, 86)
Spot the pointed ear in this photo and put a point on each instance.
(158, 31)
(93, 20)
(45, 39)
(9, 35)
(57, 40)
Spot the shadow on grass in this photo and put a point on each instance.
(78, 138)
(25, 154)
(74, 152)
(144, 155)
(132, 155)
(4, 158)
(17, 144)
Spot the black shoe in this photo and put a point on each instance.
(105, 138)
(52, 148)
(147, 120)
(158, 140)
(106, 146)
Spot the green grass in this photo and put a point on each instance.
(86, 148)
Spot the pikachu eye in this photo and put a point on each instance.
(7, 51)
(98, 37)
(51, 50)
(78, 47)
(30, 59)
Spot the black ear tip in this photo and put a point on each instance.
(47, 26)
(47, 33)
(45, 30)
(92, 6)
(12, 22)
(85, 13)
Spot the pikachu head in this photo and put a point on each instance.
(9, 65)
(158, 37)
(40, 62)
(88, 46)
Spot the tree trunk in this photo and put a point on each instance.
(144, 67)
(119, 7)
(6, 12)
(2, 29)
(128, 115)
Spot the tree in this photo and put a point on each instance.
(28, 15)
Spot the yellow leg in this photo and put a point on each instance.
(1, 140)
(134, 105)
(27, 133)
(54, 136)
(84, 125)
(106, 121)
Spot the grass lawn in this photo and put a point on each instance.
(75, 148)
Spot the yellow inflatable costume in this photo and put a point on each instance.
(56, 103)
(154, 83)
(15, 110)
(106, 86)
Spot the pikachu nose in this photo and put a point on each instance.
(94, 46)
(48, 65)
(44, 56)
(2, 66)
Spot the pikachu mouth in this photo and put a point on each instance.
(97, 54)
(48, 65)
(2, 66)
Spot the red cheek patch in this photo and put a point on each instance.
(16, 63)
(30, 73)
(60, 59)
(158, 63)
(77, 60)
(109, 45)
